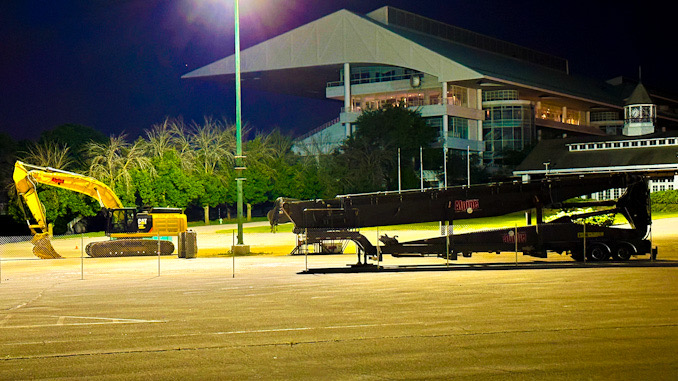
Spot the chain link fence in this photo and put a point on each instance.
(86, 257)
(83, 256)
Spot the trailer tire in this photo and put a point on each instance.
(624, 251)
(598, 252)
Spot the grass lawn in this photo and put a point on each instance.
(224, 221)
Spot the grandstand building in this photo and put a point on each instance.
(480, 93)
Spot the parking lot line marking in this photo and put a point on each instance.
(88, 320)
(292, 329)
(121, 320)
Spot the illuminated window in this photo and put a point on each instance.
(458, 96)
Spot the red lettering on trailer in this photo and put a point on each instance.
(466, 205)
(510, 237)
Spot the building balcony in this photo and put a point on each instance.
(462, 144)
(428, 108)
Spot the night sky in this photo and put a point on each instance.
(115, 65)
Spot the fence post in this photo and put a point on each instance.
(82, 260)
(584, 242)
(447, 242)
(378, 249)
(306, 251)
(233, 254)
(158, 237)
(515, 235)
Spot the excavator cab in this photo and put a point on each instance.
(123, 220)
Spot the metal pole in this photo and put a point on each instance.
(399, 174)
(238, 126)
(306, 251)
(378, 249)
(82, 262)
(468, 166)
(233, 255)
(515, 235)
(584, 243)
(421, 167)
(447, 244)
(445, 165)
(158, 237)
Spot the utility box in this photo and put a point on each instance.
(181, 250)
(188, 244)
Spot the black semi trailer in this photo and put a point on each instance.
(330, 220)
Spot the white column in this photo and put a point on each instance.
(347, 95)
(479, 124)
(446, 118)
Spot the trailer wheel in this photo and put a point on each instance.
(624, 252)
(598, 252)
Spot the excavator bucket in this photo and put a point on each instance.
(42, 247)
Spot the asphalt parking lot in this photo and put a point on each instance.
(275, 320)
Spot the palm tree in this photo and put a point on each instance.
(213, 144)
(48, 154)
(181, 140)
(160, 138)
(112, 162)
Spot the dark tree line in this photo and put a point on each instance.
(191, 165)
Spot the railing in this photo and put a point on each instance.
(318, 129)
(435, 101)
(375, 79)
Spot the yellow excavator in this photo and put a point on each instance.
(126, 226)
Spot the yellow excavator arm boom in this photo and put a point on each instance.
(26, 177)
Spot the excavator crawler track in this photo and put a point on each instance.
(129, 248)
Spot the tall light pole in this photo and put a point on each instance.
(239, 162)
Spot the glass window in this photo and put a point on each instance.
(507, 128)
(458, 127)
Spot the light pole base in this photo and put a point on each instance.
(240, 249)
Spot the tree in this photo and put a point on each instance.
(8, 148)
(72, 135)
(260, 173)
(48, 154)
(61, 205)
(367, 161)
(112, 163)
(213, 152)
(214, 145)
(169, 186)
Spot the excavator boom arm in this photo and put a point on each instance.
(26, 177)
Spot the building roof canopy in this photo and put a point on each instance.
(327, 43)
(304, 59)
